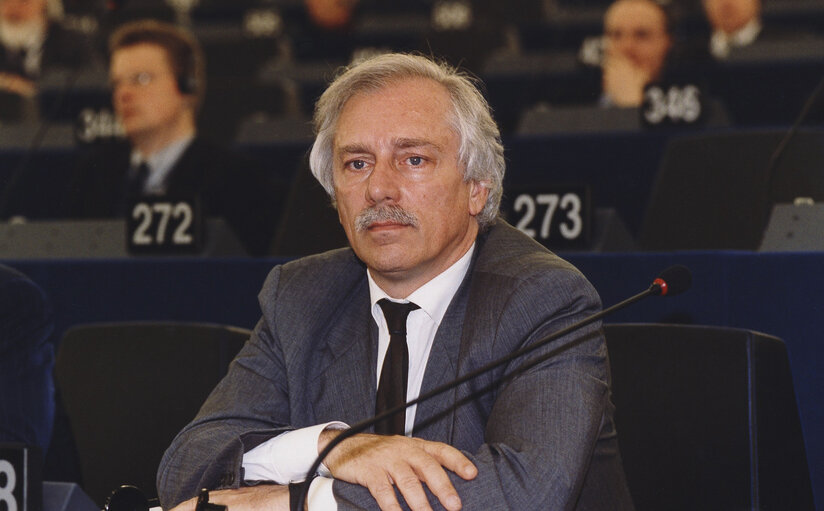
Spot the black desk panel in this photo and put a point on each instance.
(619, 168)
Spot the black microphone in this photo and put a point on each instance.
(673, 281)
(670, 282)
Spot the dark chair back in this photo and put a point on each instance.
(707, 419)
(715, 191)
(128, 388)
(308, 224)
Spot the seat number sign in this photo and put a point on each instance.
(164, 227)
(558, 217)
(672, 106)
(20, 484)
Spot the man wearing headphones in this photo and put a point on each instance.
(157, 77)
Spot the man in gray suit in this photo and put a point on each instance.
(412, 159)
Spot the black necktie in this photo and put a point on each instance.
(395, 371)
(138, 181)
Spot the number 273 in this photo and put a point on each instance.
(569, 203)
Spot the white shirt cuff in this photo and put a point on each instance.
(287, 457)
(321, 497)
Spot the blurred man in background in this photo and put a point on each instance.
(638, 40)
(157, 74)
(32, 41)
(734, 24)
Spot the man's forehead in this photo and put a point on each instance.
(634, 13)
(144, 54)
(436, 93)
(417, 134)
(394, 142)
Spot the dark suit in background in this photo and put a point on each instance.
(542, 436)
(63, 50)
(228, 185)
(26, 361)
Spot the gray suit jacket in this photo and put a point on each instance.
(540, 433)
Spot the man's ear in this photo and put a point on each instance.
(478, 193)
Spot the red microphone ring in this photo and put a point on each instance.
(662, 285)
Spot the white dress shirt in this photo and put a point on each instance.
(28, 37)
(287, 457)
(160, 164)
(721, 42)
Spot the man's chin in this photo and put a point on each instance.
(131, 128)
(384, 253)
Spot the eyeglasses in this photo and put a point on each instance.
(139, 79)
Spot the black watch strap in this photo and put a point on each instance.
(295, 490)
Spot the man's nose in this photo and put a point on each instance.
(624, 46)
(121, 91)
(117, 95)
(382, 183)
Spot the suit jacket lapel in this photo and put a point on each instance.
(434, 417)
(344, 377)
(186, 175)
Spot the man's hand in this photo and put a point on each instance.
(623, 81)
(264, 497)
(18, 85)
(379, 462)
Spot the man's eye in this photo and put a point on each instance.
(357, 164)
(143, 78)
(415, 160)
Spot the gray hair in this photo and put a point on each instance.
(481, 151)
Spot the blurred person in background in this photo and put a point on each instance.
(157, 74)
(331, 14)
(322, 30)
(33, 41)
(637, 42)
(734, 24)
(27, 405)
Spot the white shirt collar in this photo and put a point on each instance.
(28, 37)
(721, 43)
(23, 36)
(433, 297)
(161, 163)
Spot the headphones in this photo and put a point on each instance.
(187, 82)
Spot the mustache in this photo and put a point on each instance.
(390, 213)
